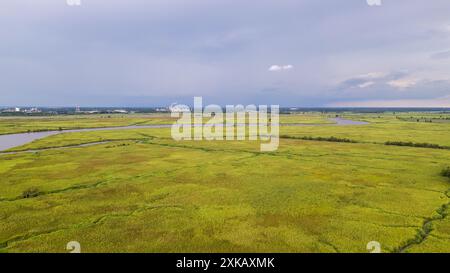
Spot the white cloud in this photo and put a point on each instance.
(398, 80)
(364, 80)
(276, 67)
(403, 83)
(366, 84)
(437, 102)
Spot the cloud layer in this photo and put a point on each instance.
(293, 52)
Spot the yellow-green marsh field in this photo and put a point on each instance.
(140, 191)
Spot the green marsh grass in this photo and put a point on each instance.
(141, 191)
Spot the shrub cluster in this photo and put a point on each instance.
(446, 172)
(30, 193)
(412, 144)
(330, 139)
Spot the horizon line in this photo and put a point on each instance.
(299, 107)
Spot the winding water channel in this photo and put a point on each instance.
(15, 140)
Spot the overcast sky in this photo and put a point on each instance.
(287, 52)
